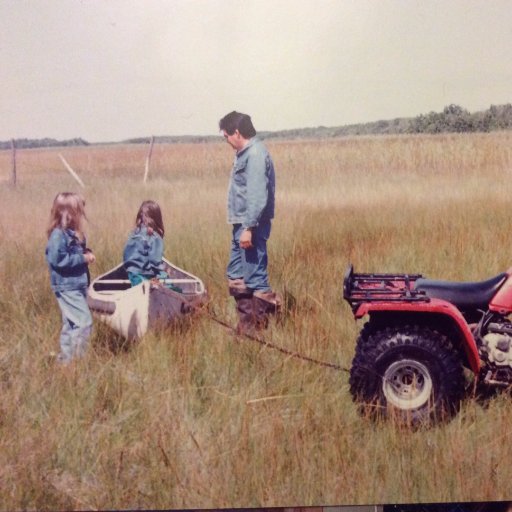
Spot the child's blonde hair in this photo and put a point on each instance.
(68, 211)
(149, 215)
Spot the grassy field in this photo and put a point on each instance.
(194, 418)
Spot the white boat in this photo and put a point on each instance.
(132, 310)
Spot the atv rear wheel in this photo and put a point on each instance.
(413, 374)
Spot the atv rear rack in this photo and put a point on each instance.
(359, 288)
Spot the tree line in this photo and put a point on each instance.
(42, 143)
(456, 119)
(452, 119)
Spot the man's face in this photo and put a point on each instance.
(235, 140)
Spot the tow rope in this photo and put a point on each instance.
(268, 344)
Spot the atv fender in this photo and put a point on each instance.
(501, 302)
(434, 306)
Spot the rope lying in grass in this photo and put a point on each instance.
(265, 343)
(206, 310)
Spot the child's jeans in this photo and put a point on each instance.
(76, 324)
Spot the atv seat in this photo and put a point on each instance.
(466, 296)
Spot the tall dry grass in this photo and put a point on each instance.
(194, 418)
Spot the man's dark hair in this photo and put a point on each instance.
(237, 121)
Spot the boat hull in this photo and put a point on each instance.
(132, 310)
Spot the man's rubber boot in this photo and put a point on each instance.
(244, 308)
(246, 317)
(264, 305)
(237, 287)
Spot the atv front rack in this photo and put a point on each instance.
(360, 288)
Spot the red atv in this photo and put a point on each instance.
(421, 335)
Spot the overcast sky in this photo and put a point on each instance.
(107, 70)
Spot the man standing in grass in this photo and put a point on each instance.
(250, 211)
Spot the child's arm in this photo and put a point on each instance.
(89, 257)
(58, 253)
(156, 253)
(132, 254)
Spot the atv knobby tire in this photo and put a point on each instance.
(409, 373)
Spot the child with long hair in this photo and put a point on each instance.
(68, 259)
(143, 252)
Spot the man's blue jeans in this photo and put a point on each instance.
(76, 324)
(250, 264)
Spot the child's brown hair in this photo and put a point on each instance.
(150, 215)
(68, 212)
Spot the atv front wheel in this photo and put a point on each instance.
(413, 374)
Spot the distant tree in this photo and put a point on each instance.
(456, 119)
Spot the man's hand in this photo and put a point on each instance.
(246, 239)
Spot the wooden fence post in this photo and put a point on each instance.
(71, 171)
(13, 147)
(148, 158)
